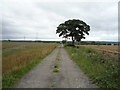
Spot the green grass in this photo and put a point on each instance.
(102, 69)
(56, 70)
(12, 78)
(56, 66)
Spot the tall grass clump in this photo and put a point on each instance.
(16, 62)
(102, 69)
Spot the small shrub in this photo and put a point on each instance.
(56, 70)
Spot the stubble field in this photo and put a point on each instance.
(105, 49)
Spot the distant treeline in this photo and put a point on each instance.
(82, 42)
(30, 41)
(98, 43)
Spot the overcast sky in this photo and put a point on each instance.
(34, 19)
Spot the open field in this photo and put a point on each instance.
(105, 49)
(17, 61)
(8, 45)
(103, 69)
(58, 69)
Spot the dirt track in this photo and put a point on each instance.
(69, 75)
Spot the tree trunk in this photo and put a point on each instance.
(73, 40)
(79, 42)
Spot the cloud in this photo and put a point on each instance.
(40, 19)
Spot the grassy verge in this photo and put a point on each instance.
(20, 61)
(102, 69)
(11, 78)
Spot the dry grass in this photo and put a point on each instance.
(14, 59)
(6, 45)
(106, 47)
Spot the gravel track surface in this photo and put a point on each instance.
(69, 75)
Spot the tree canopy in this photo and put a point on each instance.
(75, 28)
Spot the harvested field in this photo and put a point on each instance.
(105, 49)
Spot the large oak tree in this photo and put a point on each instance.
(75, 28)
